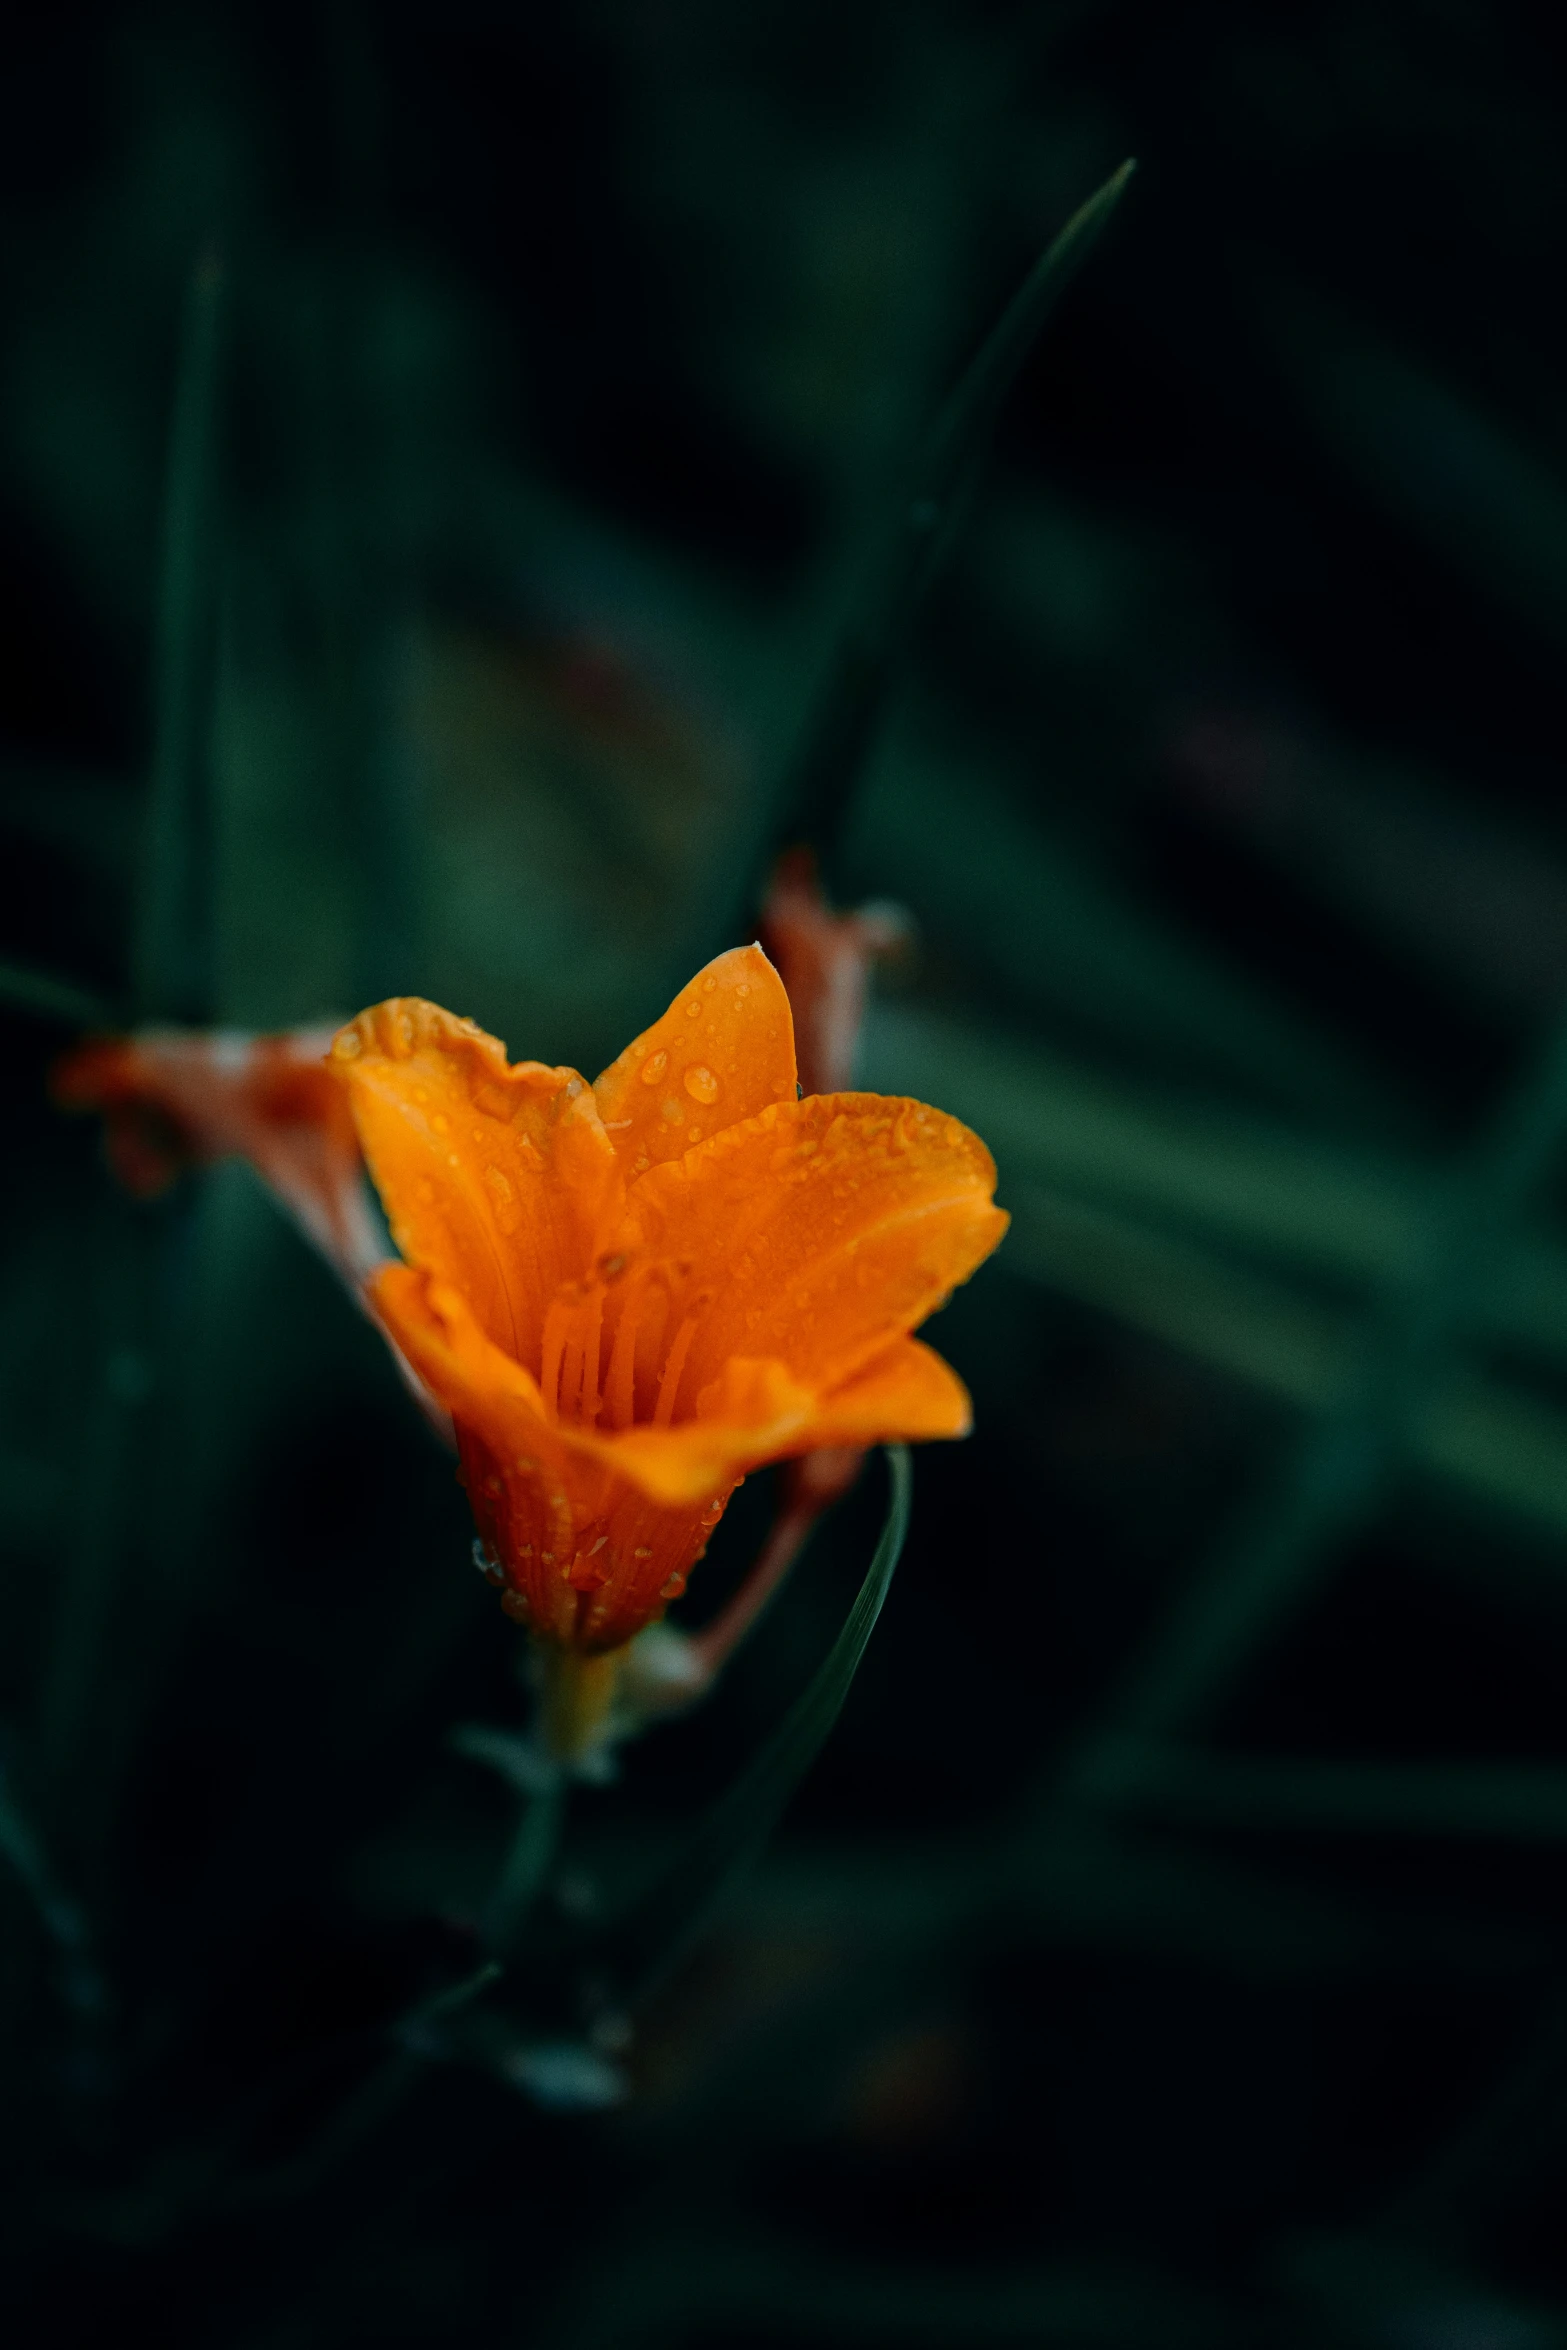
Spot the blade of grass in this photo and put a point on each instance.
(1505, 1448)
(53, 999)
(1508, 1803)
(1058, 933)
(841, 728)
(62, 1918)
(664, 1919)
(962, 430)
(130, 1242)
(1151, 1161)
(1345, 1459)
(173, 956)
(1459, 477)
(1490, 2163)
(173, 967)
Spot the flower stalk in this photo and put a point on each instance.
(576, 1699)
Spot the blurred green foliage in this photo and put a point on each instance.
(1168, 1946)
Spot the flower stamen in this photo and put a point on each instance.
(593, 1319)
(571, 1374)
(675, 1363)
(557, 1322)
(623, 1355)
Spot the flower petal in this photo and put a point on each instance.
(431, 1322)
(908, 1395)
(817, 1233)
(757, 1411)
(486, 1391)
(499, 1179)
(592, 1544)
(723, 1051)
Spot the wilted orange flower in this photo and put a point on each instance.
(174, 1097)
(631, 1293)
(824, 959)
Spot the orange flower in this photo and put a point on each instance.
(631, 1293)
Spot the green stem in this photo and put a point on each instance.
(576, 1695)
(527, 1864)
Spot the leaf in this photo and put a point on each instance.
(174, 944)
(521, 1763)
(666, 1917)
(414, 2029)
(842, 726)
(564, 2076)
(963, 428)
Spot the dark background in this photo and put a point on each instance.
(1169, 1945)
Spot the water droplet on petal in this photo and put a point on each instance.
(673, 1588)
(694, 1008)
(506, 1213)
(700, 1083)
(642, 1551)
(671, 1110)
(653, 1068)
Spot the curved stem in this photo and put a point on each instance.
(712, 1647)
